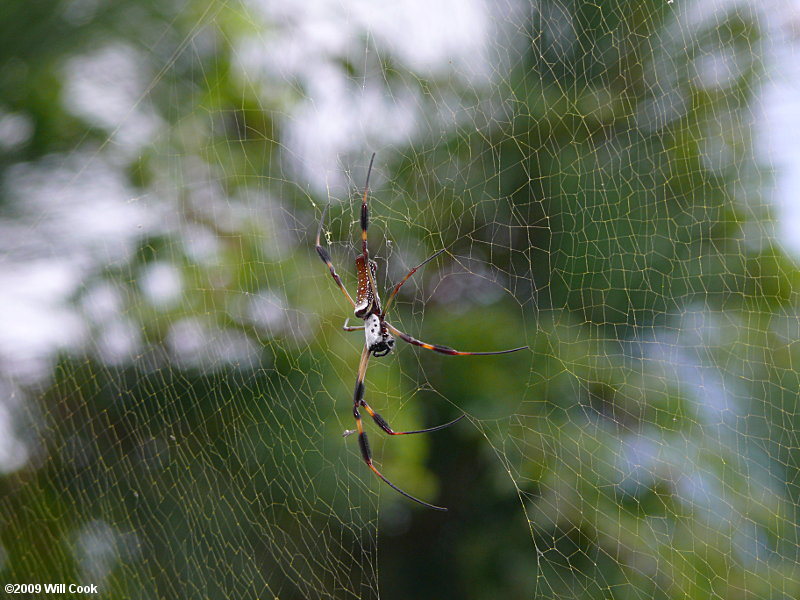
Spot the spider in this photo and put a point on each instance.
(379, 339)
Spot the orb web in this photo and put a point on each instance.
(610, 185)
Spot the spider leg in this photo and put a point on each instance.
(363, 442)
(347, 327)
(410, 273)
(444, 349)
(326, 258)
(381, 422)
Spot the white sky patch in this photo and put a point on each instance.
(194, 343)
(779, 116)
(200, 244)
(719, 69)
(15, 129)
(267, 311)
(79, 12)
(118, 341)
(99, 547)
(115, 335)
(14, 453)
(346, 114)
(35, 320)
(106, 88)
(102, 302)
(80, 207)
(162, 284)
(430, 38)
(71, 218)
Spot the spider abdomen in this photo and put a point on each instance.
(366, 300)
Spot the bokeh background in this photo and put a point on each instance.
(615, 186)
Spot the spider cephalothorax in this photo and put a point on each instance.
(378, 331)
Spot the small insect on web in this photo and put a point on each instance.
(378, 332)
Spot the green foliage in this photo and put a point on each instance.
(605, 212)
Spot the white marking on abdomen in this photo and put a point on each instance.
(372, 330)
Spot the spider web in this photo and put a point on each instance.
(611, 184)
